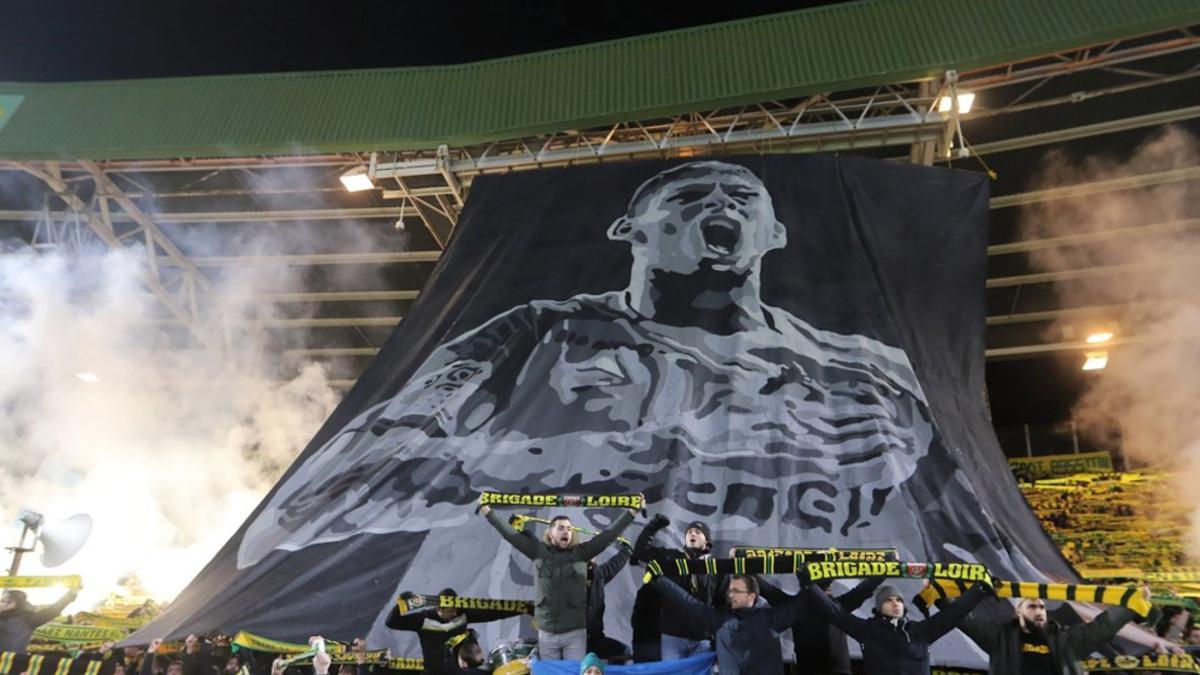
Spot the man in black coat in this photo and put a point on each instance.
(18, 618)
(1032, 643)
(892, 644)
(681, 638)
(436, 625)
(746, 632)
(820, 646)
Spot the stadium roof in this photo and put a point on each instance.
(781, 56)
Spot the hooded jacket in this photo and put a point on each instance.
(560, 576)
(897, 646)
(1068, 645)
(17, 624)
(746, 640)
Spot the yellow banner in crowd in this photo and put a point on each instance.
(259, 643)
(818, 554)
(1173, 663)
(63, 632)
(406, 664)
(90, 619)
(1173, 574)
(1060, 465)
(72, 581)
(1125, 596)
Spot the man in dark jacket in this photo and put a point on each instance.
(892, 644)
(435, 625)
(820, 646)
(598, 576)
(560, 579)
(680, 638)
(1032, 643)
(18, 618)
(746, 632)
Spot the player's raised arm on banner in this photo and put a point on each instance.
(528, 546)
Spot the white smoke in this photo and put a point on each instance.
(170, 448)
(1145, 399)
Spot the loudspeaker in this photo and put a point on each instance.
(62, 539)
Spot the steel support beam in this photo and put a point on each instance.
(1095, 236)
(371, 213)
(377, 258)
(337, 296)
(1097, 187)
(101, 225)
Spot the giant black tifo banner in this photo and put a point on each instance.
(789, 348)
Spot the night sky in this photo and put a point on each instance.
(81, 40)
(88, 40)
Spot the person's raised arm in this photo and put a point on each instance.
(609, 568)
(410, 621)
(953, 612)
(528, 546)
(1090, 636)
(643, 550)
(593, 547)
(148, 659)
(982, 632)
(698, 614)
(829, 608)
(790, 609)
(489, 615)
(46, 614)
(855, 597)
(774, 595)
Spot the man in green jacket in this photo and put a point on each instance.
(1033, 644)
(560, 569)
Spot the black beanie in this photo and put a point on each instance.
(697, 525)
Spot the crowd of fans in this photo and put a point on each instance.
(737, 618)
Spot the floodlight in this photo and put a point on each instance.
(1099, 337)
(965, 101)
(357, 180)
(1095, 361)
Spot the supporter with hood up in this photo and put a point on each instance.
(18, 618)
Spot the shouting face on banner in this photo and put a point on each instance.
(684, 385)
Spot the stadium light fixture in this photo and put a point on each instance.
(357, 180)
(1095, 361)
(1099, 337)
(965, 101)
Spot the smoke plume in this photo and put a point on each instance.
(1145, 400)
(167, 445)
